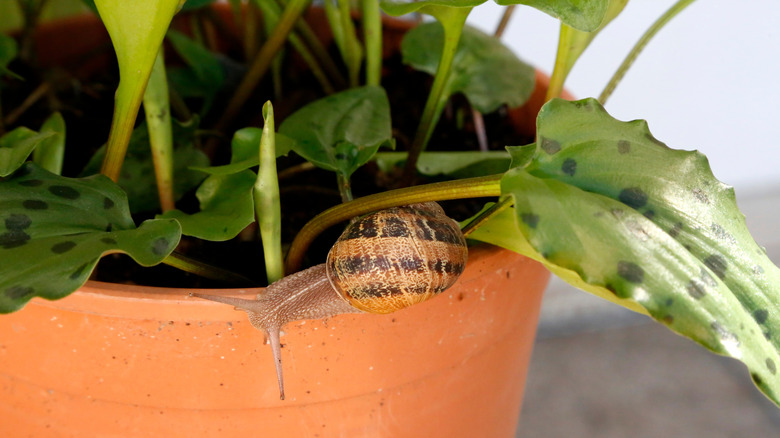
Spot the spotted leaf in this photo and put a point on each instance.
(54, 230)
(648, 227)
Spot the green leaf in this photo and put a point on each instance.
(16, 146)
(401, 7)
(521, 155)
(645, 223)
(137, 177)
(585, 15)
(453, 164)
(8, 51)
(484, 69)
(205, 75)
(343, 131)
(136, 29)
(226, 207)
(51, 151)
(244, 152)
(54, 230)
(226, 201)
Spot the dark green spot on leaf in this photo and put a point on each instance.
(717, 264)
(34, 204)
(760, 315)
(64, 192)
(552, 147)
(63, 247)
(634, 197)
(569, 166)
(17, 222)
(530, 219)
(631, 272)
(13, 239)
(108, 203)
(17, 292)
(695, 289)
(770, 364)
(160, 246)
(624, 147)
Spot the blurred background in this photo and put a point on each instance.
(707, 81)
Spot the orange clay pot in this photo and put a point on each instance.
(114, 360)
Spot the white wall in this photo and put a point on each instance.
(707, 81)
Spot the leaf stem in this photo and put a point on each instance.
(452, 20)
(640, 45)
(508, 11)
(486, 186)
(157, 109)
(372, 35)
(266, 196)
(503, 203)
(345, 187)
(262, 61)
(128, 100)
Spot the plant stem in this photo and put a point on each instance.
(485, 186)
(29, 101)
(479, 128)
(562, 64)
(452, 20)
(372, 35)
(503, 203)
(126, 105)
(640, 45)
(320, 53)
(345, 187)
(504, 21)
(271, 12)
(186, 264)
(340, 19)
(158, 122)
(266, 196)
(262, 61)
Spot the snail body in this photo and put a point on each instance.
(382, 262)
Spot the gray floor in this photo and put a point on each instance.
(601, 371)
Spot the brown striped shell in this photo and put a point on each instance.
(397, 257)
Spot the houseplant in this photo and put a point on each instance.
(662, 236)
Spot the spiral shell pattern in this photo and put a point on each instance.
(397, 257)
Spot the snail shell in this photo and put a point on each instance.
(397, 257)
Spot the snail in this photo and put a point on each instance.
(383, 262)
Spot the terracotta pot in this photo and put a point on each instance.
(134, 361)
(115, 360)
